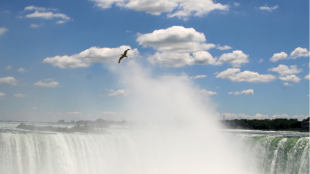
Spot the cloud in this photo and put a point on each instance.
(261, 61)
(45, 13)
(278, 56)
(198, 77)
(307, 77)
(205, 92)
(225, 47)
(230, 116)
(3, 30)
(36, 25)
(109, 113)
(287, 84)
(51, 84)
(292, 78)
(300, 117)
(34, 108)
(268, 8)
(285, 70)
(74, 113)
(20, 95)
(22, 70)
(2, 95)
(35, 8)
(246, 92)
(181, 59)
(175, 39)
(280, 116)
(174, 8)
(8, 81)
(236, 4)
(299, 52)
(89, 56)
(8, 68)
(119, 93)
(245, 76)
(236, 58)
(61, 22)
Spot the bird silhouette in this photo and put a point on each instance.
(123, 56)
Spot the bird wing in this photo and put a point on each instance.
(125, 53)
(120, 59)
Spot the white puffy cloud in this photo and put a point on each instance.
(230, 116)
(175, 8)
(287, 84)
(278, 56)
(236, 58)
(203, 57)
(181, 59)
(307, 77)
(45, 13)
(246, 92)
(3, 30)
(228, 73)
(246, 76)
(292, 78)
(225, 47)
(198, 77)
(51, 84)
(285, 70)
(205, 92)
(299, 52)
(175, 39)
(300, 117)
(37, 8)
(22, 70)
(20, 95)
(119, 93)
(8, 81)
(91, 55)
(280, 116)
(268, 8)
(66, 62)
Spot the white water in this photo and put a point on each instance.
(133, 151)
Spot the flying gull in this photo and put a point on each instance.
(123, 56)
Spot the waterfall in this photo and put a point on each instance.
(138, 152)
(278, 155)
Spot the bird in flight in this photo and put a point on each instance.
(123, 56)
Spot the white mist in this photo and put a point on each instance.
(171, 108)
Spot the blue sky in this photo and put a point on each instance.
(250, 57)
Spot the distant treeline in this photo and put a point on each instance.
(276, 124)
(79, 126)
(97, 123)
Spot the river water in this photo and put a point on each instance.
(126, 150)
